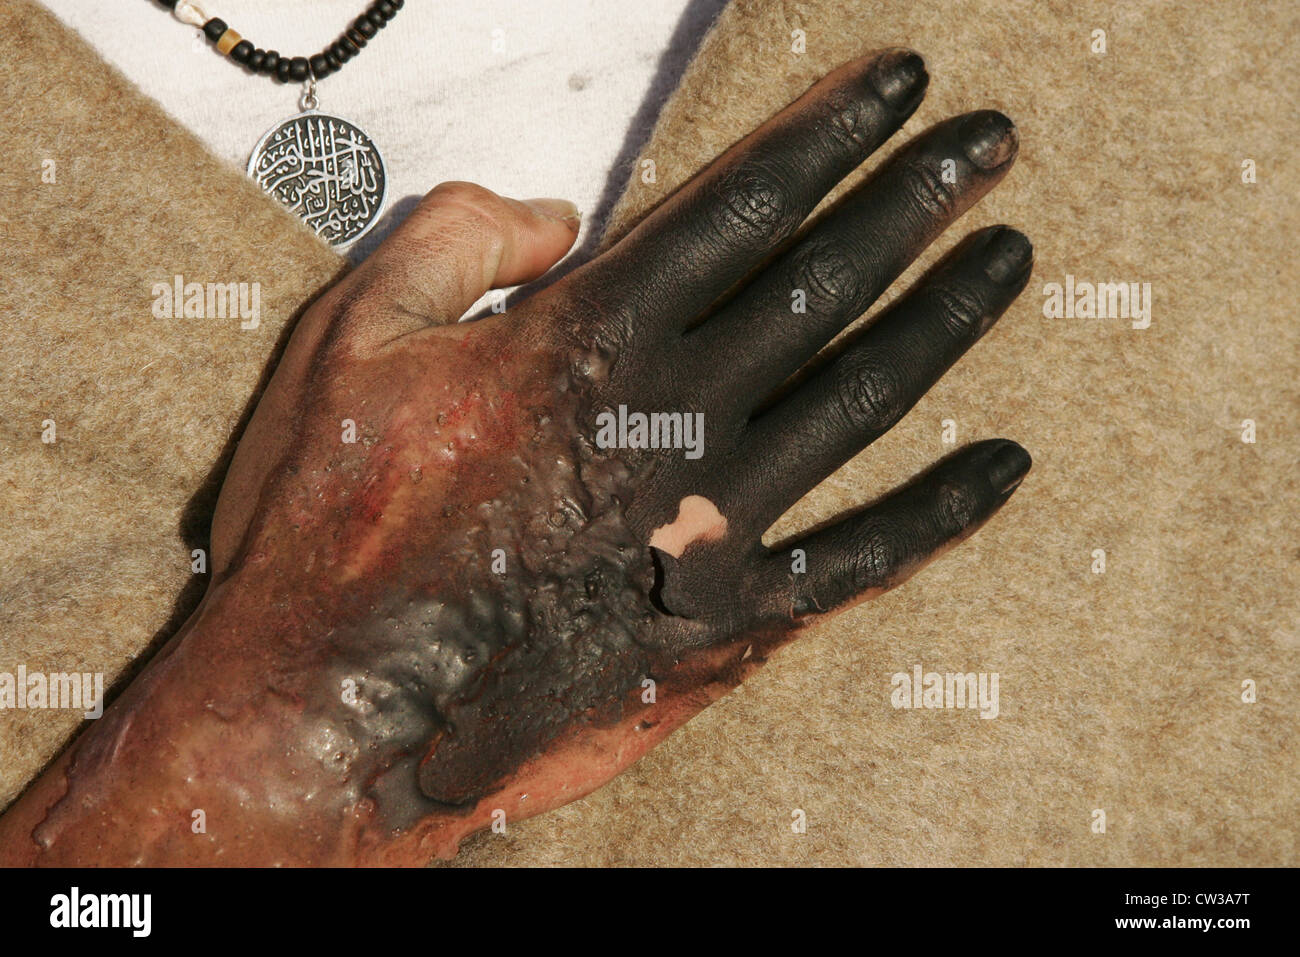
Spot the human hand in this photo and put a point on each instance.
(439, 593)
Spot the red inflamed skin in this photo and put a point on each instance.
(465, 569)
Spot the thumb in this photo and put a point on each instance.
(460, 241)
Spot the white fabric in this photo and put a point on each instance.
(527, 97)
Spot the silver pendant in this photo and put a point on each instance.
(325, 169)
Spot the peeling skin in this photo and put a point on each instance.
(698, 520)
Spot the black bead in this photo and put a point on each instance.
(319, 67)
(242, 51)
(271, 62)
(397, 3)
(256, 59)
(299, 70)
(364, 27)
(332, 59)
(169, 4)
(282, 70)
(357, 37)
(375, 17)
(387, 8)
(347, 49)
(214, 28)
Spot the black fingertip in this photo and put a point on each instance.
(989, 139)
(898, 76)
(1008, 255)
(1007, 466)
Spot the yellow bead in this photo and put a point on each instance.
(228, 42)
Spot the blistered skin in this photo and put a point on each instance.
(439, 599)
(396, 684)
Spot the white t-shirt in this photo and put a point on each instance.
(527, 97)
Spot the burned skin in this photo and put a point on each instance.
(382, 702)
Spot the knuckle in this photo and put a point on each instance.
(924, 186)
(874, 558)
(466, 208)
(609, 337)
(852, 121)
(958, 507)
(460, 192)
(832, 277)
(960, 310)
(870, 395)
(756, 206)
(588, 312)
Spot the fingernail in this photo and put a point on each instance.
(1007, 467)
(558, 209)
(989, 138)
(899, 77)
(1008, 255)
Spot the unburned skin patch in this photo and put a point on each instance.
(698, 520)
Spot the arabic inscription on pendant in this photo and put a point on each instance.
(325, 169)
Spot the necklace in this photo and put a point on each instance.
(323, 167)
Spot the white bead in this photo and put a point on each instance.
(187, 12)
